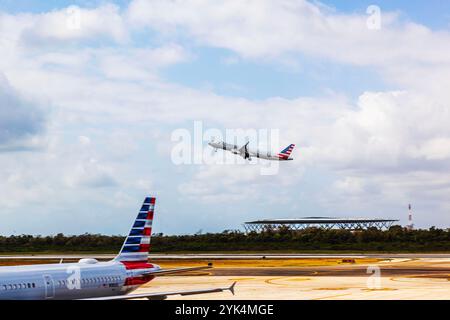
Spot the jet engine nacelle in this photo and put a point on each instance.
(88, 261)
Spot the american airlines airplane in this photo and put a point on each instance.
(247, 153)
(90, 279)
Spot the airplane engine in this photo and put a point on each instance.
(88, 261)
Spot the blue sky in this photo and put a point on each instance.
(433, 14)
(88, 113)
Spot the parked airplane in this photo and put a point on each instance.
(92, 280)
(247, 153)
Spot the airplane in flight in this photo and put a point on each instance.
(247, 153)
(90, 279)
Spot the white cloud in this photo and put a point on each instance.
(138, 64)
(436, 149)
(404, 53)
(219, 184)
(20, 120)
(109, 102)
(73, 23)
(272, 28)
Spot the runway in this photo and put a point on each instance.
(391, 279)
(336, 276)
(308, 288)
(234, 256)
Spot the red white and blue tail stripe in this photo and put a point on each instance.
(137, 245)
(286, 152)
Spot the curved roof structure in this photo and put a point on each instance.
(320, 222)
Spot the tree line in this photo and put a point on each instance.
(396, 239)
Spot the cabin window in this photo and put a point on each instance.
(29, 285)
(34, 285)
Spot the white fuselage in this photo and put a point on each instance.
(250, 152)
(86, 279)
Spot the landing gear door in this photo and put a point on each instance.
(49, 285)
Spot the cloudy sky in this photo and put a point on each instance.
(90, 96)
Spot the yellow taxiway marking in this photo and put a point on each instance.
(331, 297)
(269, 281)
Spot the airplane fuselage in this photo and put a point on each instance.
(251, 153)
(92, 280)
(86, 279)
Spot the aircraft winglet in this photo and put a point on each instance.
(231, 288)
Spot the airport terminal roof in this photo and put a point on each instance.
(320, 222)
(308, 220)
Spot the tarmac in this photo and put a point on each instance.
(235, 256)
(304, 277)
(393, 277)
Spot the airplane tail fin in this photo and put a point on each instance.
(137, 244)
(286, 152)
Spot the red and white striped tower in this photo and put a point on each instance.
(410, 226)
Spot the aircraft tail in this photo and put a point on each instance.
(286, 152)
(137, 245)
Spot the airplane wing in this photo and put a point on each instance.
(164, 295)
(243, 151)
(162, 272)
